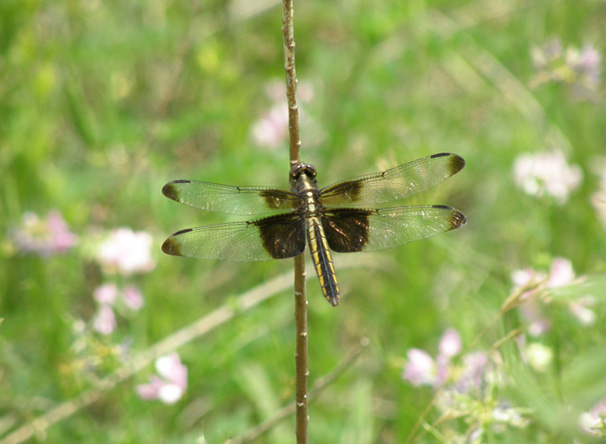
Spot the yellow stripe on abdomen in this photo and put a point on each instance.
(322, 260)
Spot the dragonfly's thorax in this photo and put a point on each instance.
(312, 207)
(306, 187)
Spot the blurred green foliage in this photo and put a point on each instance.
(101, 103)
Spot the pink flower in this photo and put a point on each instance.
(538, 323)
(106, 294)
(450, 346)
(104, 320)
(473, 374)
(421, 369)
(133, 298)
(450, 343)
(271, 130)
(465, 387)
(126, 252)
(44, 237)
(560, 274)
(586, 63)
(579, 69)
(580, 309)
(546, 174)
(171, 384)
(527, 276)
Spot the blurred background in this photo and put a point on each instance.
(495, 331)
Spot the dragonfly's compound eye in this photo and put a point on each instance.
(302, 168)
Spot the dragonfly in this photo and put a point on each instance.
(346, 217)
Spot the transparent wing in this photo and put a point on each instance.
(349, 229)
(244, 201)
(274, 237)
(394, 184)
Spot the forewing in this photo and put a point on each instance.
(274, 237)
(394, 184)
(229, 199)
(349, 230)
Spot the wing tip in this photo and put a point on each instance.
(171, 191)
(457, 220)
(172, 246)
(457, 163)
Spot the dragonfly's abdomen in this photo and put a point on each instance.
(322, 260)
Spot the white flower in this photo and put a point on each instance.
(539, 356)
(504, 413)
(171, 384)
(594, 421)
(126, 252)
(547, 173)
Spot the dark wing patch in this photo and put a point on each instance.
(346, 229)
(283, 236)
(394, 184)
(275, 237)
(350, 230)
(243, 201)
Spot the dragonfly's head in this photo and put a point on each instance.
(299, 170)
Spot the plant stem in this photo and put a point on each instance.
(301, 350)
(291, 81)
(300, 291)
